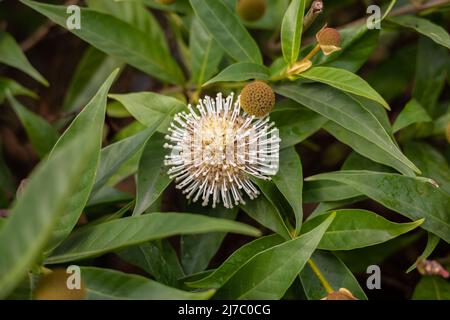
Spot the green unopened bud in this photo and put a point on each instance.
(251, 10)
(329, 40)
(257, 98)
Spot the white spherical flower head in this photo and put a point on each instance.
(218, 148)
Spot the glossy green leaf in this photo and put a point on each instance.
(346, 112)
(12, 55)
(344, 80)
(97, 239)
(91, 119)
(289, 180)
(432, 288)
(430, 161)
(367, 148)
(291, 30)
(327, 191)
(359, 259)
(425, 27)
(150, 108)
(402, 194)
(412, 113)
(270, 273)
(158, 258)
(128, 43)
(234, 262)
(41, 134)
(108, 195)
(356, 228)
(107, 284)
(433, 241)
(90, 73)
(295, 124)
(241, 71)
(197, 250)
(44, 200)
(15, 88)
(115, 155)
(152, 178)
(336, 273)
(224, 25)
(266, 213)
(205, 53)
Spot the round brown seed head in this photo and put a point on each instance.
(328, 37)
(53, 286)
(257, 98)
(251, 10)
(165, 1)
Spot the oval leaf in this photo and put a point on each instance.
(291, 30)
(241, 71)
(346, 81)
(402, 194)
(116, 234)
(44, 200)
(227, 29)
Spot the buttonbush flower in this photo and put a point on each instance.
(217, 148)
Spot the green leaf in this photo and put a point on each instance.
(158, 258)
(291, 30)
(432, 243)
(206, 53)
(97, 239)
(44, 200)
(90, 73)
(356, 228)
(412, 113)
(198, 250)
(107, 284)
(267, 214)
(91, 119)
(115, 155)
(402, 194)
(289, 180)
(241, 71)
(270, 273)
(336, 273)
(425, 27)
(430, 161)
(346, 81)
(152, 178)
(234, 262)
(327, 191)
(108, 195)
(15, 88)
(41, 134)
(359, 259)
(128, 43)
(224, 25)
(12, 55)
(149, 108)
(348, 113)
(366, 148)
(432, 288)
(295, 124)
(430, 77)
